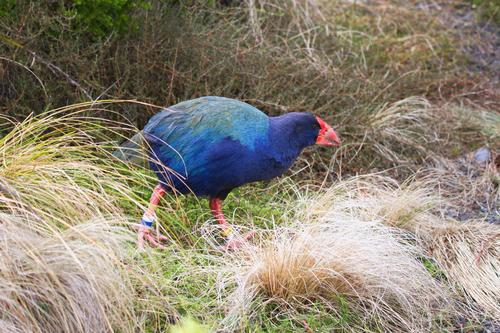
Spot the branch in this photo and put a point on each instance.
(53, 68)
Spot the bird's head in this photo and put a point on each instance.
(302, 129)
(326, 135)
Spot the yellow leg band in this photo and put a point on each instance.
(226, 232)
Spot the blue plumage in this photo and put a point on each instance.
(211, 145)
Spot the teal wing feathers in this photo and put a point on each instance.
(190, 135)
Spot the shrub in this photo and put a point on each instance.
(103, 17)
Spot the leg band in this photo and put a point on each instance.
(147, 219)
(227, 231)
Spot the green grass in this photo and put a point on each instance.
(434, 268)
(488, 10)
(252, 205)
(188, 325)
(318, 319)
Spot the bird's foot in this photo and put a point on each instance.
(236, 242)
(148, 235)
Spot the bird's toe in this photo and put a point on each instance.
(238, 242)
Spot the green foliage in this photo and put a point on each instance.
(6, 7)
(188, 325)
(433, 268)
(102, 17)
(489, 10)
(316, 319)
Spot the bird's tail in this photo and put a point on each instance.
(133, 150)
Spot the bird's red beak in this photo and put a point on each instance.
(326, 136)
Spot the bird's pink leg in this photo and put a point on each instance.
(145, 228)
(233, 242)
(216, 208)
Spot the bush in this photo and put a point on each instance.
(6, 7)
(102, 17)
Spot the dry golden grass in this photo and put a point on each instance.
(468, 252)
(67, 257)
(368, 266)
(400, 126)
(71, 281)
(470, 255)
(48, 161)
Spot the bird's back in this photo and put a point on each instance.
(212, 117)
(210, 143)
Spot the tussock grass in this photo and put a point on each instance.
(467, 129)
(71, 281)
(68, 262)
(358, 248)
(399, 132)
(354, 64)
(367, 267)
(52, 165)
(470, 256)
(467, 252)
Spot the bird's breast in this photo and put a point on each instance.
(274, 165)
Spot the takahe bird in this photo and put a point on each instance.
(210, 145)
